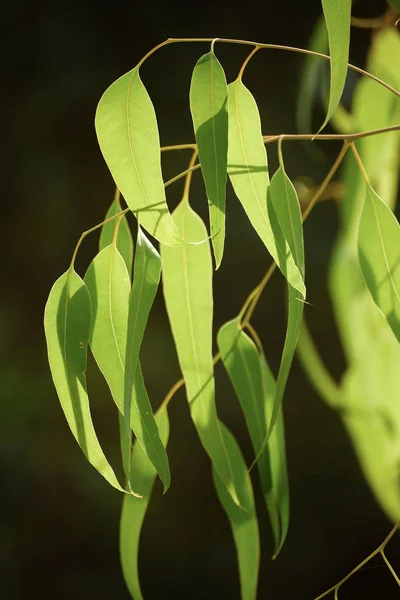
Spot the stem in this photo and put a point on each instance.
(179, 147)
(189, 173)
(183, 174)
(244, 65)
(360, 164)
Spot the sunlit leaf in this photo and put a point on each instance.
(337, 19)
(209, 108)
(124, 236)
(127, 131)
(379, 247)
(67, 323)
(187, 280)
(134, 509)
(107, 280)
(243, 521)
(248, 172)
(255, 388)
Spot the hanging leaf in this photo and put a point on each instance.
(248, 172)
(134, 509)
(107, 280)
(124, 236)
(337, 18)
(209, 108)
(67, 322)
(255, 388)
(379, 248)
(244, 523)
(187, 279)
(127, 131)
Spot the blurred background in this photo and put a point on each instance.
(59, 519)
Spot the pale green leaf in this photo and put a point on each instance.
(255, 388)
(108, 283)
(209, 108)
(379, 248)
(127, 131)
(67, 323)
(187, 280)
(248, 172)
(337, 18)
(244, 523)
(124, 236)
(134, 509)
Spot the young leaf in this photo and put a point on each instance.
(67, 322)
(255, 388)
(134, 509)
(127, 131)
(337, 18)
(248, 172)
(379, 248)
(209, 108)
(124, 236)
(107, 280)
(187, 280)
(244, 523)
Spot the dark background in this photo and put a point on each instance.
(59, 519)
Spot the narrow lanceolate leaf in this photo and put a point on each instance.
(134, 509)
(209, 108)
(124, 236)
(248, 172)
(127, 131)
(379, 249)
(67, 322)
(187, 279)
(108, 283)
(337, 19)
(147, 268)
(255, 388)
(244, 523)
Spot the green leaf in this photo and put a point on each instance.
(395, 4)
(379, 248)
(124, 236)
(134, 509)
(67, 322)
(255, 388)
(108, 283)
(243, 522)
(337, 18)
(209, 108)
(127, 131)
(248, 172)
(187, 279)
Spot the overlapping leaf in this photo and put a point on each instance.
(244, 523)
(108, 282)
(379, 247)
(255, 388)
(209, 108)
(67, 323)
(337, 19)
(248, 172)
(124, 236)
(134, 509)
(187, 280)
(127, 131)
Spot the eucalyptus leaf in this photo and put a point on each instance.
(124, 236)
(127, 132)
(248, 172)
(187, 280)
(244, 523)
(209, 108)
(67, 323)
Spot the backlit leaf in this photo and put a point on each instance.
(124, 236)
(243, 521)
(67, 323)
(337, 19)
(248, 172)
(187, 280)
(209, 108)
(127, 131)
(134, 509)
